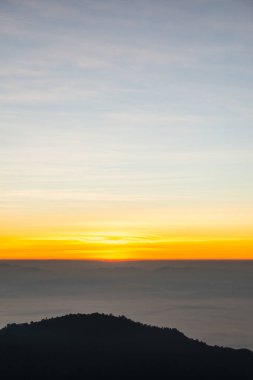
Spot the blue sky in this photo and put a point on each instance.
(127, 105)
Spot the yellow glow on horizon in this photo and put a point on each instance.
(127, 235)
(125, 246)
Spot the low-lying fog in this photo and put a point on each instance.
(209, 301)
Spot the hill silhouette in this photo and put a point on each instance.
(99, 346)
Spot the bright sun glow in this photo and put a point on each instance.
(125, 246)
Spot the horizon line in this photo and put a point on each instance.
(124, 260)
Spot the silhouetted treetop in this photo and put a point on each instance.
(100, 346)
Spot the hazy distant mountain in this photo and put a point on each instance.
(98, 346)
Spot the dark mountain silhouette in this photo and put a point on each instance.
(98, 346)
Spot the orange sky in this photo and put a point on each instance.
(120, 246)
(124, 232)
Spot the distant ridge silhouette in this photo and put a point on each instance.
(99, 346)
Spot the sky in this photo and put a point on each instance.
(126, 129)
